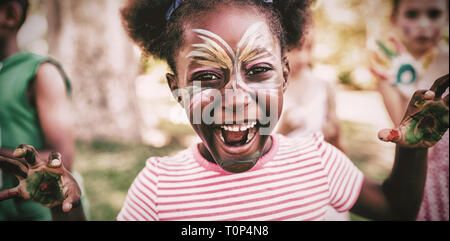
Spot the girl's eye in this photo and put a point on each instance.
(206, 77)
(412, 14)
(434, 13)
(258, 70)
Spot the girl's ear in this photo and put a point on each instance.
(286, 72)
(173, 85)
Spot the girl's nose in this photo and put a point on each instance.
(424, 22)
(234, 82)
(235, 100)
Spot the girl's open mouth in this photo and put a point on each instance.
(236, 135)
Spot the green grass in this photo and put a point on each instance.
(109, 168)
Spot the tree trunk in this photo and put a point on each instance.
(88, 39)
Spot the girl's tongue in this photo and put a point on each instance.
(234, 138)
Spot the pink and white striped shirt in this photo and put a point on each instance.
(435, 201)
(296, 180)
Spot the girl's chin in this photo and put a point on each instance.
(237, 148)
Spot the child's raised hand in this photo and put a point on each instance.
(383, 59)
(426, 119)
(46, 182)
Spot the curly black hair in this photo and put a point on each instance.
(145, 22)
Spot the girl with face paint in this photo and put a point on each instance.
(229, 73)
(410, 59)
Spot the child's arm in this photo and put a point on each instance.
(48, 93)
(53, 108)
(400, 195)
(332, 128)
(395, 103)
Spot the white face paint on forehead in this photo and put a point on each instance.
(255, 46)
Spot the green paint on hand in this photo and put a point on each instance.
(387, 51)
(428, 125)
(44, 187)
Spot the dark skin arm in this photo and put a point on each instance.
(48, 94)
(56, 124)
(400, 195)
(54, 113)
(332, 129)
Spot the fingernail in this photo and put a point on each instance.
(429, 94)
(67, 207)
(19, 152)
(56, 162)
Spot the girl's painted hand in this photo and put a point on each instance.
(426, 119)
(46, 182)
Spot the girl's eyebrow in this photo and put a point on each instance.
(209, 52)
(215, 52)
(254, 44)
(211, 61)
(256, 54)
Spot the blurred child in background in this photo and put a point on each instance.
(411, 58)
(315, 109)
(34, 108)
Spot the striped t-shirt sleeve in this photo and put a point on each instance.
(141, 201)
(344, 178)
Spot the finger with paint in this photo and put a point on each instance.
(440, 86)
(54, 160)
(14, 165)
(17, 167)
(46, 182)
(27, 152)
(426, 119)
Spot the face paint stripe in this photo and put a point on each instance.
(215, 53)
(216, 37)
(253, 45)
(218, 49)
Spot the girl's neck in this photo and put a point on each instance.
(207, 155)
(8, 47)
(418, 53)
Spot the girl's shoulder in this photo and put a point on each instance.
(181, 158)
(309, 143)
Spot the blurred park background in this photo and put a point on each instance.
(123, 109)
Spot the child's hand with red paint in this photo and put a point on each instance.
(426, 119)
(46, 182)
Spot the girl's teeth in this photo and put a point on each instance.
(236, 128)
(221, 136)
(251, 134)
